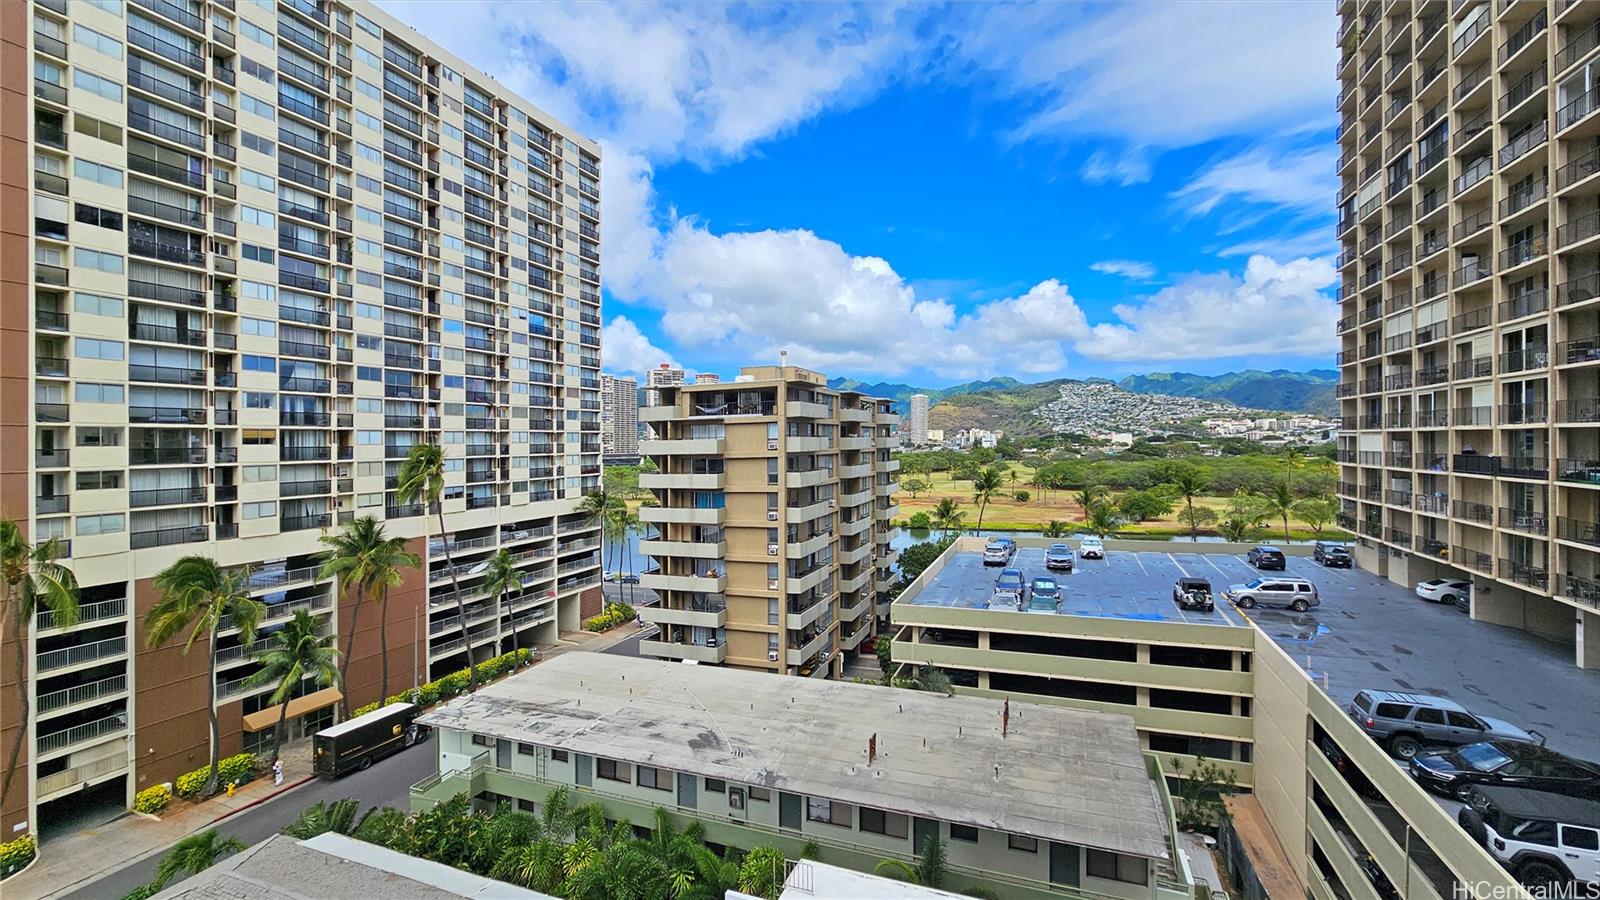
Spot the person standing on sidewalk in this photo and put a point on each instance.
(277, 773)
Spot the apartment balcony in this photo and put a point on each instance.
(805, 409)
(889, 465)
(863, 470)
(858, 554)
(817, 577)
(76, 778)
(1581, 590)
(1578, 531)
(682, 482)
(886, 490)
(886, 441)
(713, 615)
(804, 444)
(856, 582)
(709, 654)
(798, 656)
(684, 549)
(886, 513)
(850, 501)
(658, 414)
(671, 515)
(168, 496)
(810, 478)
(848, 414)
(796, 515)
(703, 584)
(1526, 574)
(889, 419)
(859, 442)
(855, 526)
(1524, 520)
(1578, 411)
(165, 537)
(804, 548)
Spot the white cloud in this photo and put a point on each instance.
(1160, 74)
(628, 351)
(1299, 181)
(1125, 168)
(1320, 242)
(1127, 268)
(1276, 309)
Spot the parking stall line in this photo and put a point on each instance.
(1181, 569)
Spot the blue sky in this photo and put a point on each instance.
(932, 194)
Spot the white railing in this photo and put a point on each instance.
(89, 612)
(66, 778)
(72, 656)
(82, 693)
(77, 734)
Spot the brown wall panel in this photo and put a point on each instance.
(590, 603)
(406, 600)
(172, 733)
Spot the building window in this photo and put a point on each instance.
(1118, 867)
(963, 833)
(829, 811)
(99, 436)
(716, 786)
(527, 750)
(110, 523)
(99, 481)
(888, 824)
(559, 756)
(762, 794)
(651, 777)
(611, 770)
(1023, 843)
(482, 740)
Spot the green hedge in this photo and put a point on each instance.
(456, 682)
(615, 614)
(154, 799)
(233, 770)
(14, 855)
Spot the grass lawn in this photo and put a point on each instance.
(1004, 512)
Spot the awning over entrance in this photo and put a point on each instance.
(299, 706)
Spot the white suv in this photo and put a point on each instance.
(1545, 840)
(1091, 548)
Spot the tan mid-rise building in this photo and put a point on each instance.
(772, 542)
(1469, 219)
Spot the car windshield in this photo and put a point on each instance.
(1484, 757)
(1253, 583)
(1434, 582)
(1059, 548)
(1044, 585)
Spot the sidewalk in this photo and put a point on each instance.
(88, 854)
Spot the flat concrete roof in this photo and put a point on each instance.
(1060, 774)
(333, 865)
(1368, 632)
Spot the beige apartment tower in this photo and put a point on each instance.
(619, 416)
(265, 249)
(772, 545)
(1470, 225)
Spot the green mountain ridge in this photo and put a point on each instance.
(1279, 389)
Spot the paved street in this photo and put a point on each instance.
(385, 784)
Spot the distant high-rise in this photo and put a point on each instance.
(619, 416)
(708, 378)
(661, 376)
(919, 419)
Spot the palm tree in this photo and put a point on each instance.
(1056, 528)
(197, 596)
(367, 564)
(30, 579)
(195, 854)
(1102, 519)
(947, 516)
(421, 480)
(338, 817)
(631, 523)
(1190, 482)
(1293, 458)
(501, 579)
(1091, 496)
(1280, 500)
(929, 870)
(297, 650)
(985, 485)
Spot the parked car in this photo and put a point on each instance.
(1333, 555)
(1296, 595)
(999, 551)
(1193, 593)
(629, 579)
(1464, 602)
(1059, 558)
(1265, 557)
(1443, 590)
(1008, 589)
(1505, 764)
(1545, 841)
(1405, 723)
(1044, 595)
(1092, 548)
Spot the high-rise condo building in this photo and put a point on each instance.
(619, 416)
(661, 376)
(269, 249)
(919, 419)
(1469, 219)
(772, 537)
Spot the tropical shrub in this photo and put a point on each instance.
(237, 769)
(615, 614)
(152, 800)
(143, 892)
(447, 686)
(920, 521)
(14, 855)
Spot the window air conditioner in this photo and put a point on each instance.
(772, 515)
(772, 549)
(772, 443)
(772, 655)
(772, 584)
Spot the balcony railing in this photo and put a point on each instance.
(163, 537)
(50, 660)
(77, 734)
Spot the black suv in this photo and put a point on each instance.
(1266, 558)
(1333, 555)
